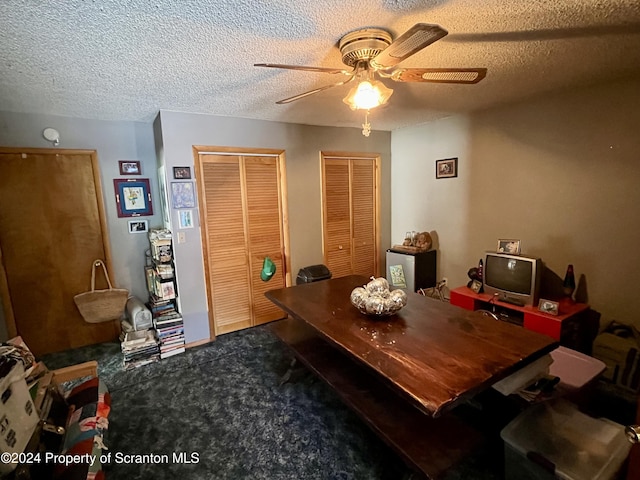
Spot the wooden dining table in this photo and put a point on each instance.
(405, 373)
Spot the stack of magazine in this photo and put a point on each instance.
(170, 330)
(139, 347)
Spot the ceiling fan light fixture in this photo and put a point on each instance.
(368, 94)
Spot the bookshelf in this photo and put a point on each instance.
(161, 284)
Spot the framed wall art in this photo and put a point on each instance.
(447, 168)
(186, 218)
(182, 173)
(138, 226)
(182, 195)
(133, 197)
(129, 167)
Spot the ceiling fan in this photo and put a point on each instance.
(372, 51)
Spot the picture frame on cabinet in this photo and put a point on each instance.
(138, 226)
(183, 195)
(510, 246)
(447, 168)
(133, 197)
(181, 173)
(476, 286)
(548, 306)
(129, 167)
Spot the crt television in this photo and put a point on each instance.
(514, 278)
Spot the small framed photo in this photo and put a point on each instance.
(476, 286)
(510, 246)
(133, 197)
(182, 173)
(548, 306)
(129, 167)
(138, 226)
(186, 218)
(447, 168)
(182, 195)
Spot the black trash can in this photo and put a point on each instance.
(314, 273)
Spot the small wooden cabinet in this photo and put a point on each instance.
(572, 327)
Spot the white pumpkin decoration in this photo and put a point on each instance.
(398, 297)
(376, 299)
(377, 285)
(358, 297)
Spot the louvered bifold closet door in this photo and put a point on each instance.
(229, 281)
(264, 233)
(363, 207)
(337, 217)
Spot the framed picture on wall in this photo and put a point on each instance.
(129, 167)
(182, 195)
(182, 173)
(447, 168)
(138, 226)
(133, 197)
(186, 218)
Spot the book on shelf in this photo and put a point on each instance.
(165, 270)
(165, 290)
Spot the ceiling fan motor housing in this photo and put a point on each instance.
(363, 45)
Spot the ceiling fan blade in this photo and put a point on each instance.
(439, 75)
(410, 42)
(311, 92)
(302, 67)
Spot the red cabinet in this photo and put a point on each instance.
(572, 327)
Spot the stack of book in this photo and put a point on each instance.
(170, 330)
(169, 326)
(139, 347)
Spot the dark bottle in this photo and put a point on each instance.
(480, 273)
(569, 284)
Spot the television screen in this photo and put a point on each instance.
(509, 274)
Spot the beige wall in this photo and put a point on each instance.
(302, 145)
(560, 172)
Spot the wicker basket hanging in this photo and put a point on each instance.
(99, 306)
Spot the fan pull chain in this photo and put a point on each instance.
(366, 126)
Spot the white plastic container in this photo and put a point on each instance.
(574, 369)
(555, 440)
(18, 416)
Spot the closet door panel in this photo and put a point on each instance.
(225, 232)
(363, 201)
(337, 218)
(264, 230)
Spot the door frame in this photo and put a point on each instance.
(5, 296)
(282, 201)
(340, 155)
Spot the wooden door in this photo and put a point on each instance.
(337, 217)
(350, 214)
(265, 233)
(244, 220)
(363, 217)
(52, 227)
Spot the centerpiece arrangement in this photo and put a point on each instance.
(375, 298)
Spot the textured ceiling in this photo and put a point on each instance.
(126, 60)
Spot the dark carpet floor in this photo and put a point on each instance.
(223, 402)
